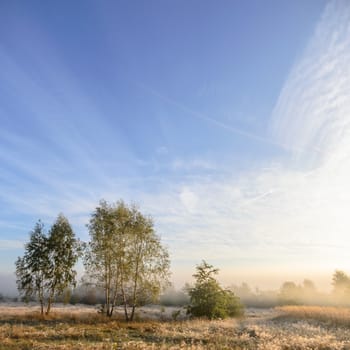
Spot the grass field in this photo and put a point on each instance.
(82, 328)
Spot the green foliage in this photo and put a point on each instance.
(209, 299)
(64, 251)
(46, 269)
(32, 270)
(125, 257)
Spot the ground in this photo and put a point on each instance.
(80, 327)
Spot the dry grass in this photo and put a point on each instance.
(330, 315)
(296, 328)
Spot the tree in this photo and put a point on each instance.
(341, 286)
(309, 286)
(64, 251)
(104, 256)
(125, 257)
(32, 270)
(290, 294)
(340, 281)
(148, 261)
(208, 298)
(46, 269)
(310, 295)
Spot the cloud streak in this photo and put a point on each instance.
(213, 121)
(295, 212)
(313, 109)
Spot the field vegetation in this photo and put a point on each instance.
(76, 327)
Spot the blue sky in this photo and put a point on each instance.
(225, 121)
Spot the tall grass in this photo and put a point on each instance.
(337, 316)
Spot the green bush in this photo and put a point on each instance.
(209, 299)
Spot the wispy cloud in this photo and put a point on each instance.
(222, 125)
(49, 161)
(313, 108)
(295, 212)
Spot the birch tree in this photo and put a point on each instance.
(104, 257)
(148, 262)
(125, 256)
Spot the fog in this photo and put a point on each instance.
(274, 287)
(261, 277)
(256, 288)
(8, 284)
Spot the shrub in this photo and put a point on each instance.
(209, 299)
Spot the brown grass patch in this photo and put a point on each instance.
(331, 315)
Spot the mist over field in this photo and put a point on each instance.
(8, 285)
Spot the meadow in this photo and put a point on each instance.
(80, 327)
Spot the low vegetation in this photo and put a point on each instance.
(329, 315)
(286, 328)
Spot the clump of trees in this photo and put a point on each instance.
(256, 298)
(47, 268)
(125, 257)
(293, 293)
(297, 294)
(208, 298)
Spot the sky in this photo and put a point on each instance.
(226, 121)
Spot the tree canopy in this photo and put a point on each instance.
(125, 257)
(46, 268)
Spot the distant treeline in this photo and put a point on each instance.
(291, 293)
